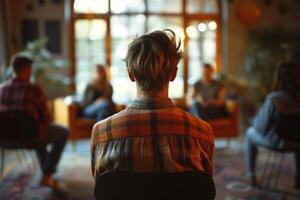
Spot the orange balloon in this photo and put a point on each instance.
(248, 12)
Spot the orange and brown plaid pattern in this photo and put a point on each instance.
(22, 95)
(152, 135)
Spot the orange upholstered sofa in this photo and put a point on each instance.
(66, 112)
(227, 127)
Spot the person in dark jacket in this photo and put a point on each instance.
(263, 132)
(97, 99)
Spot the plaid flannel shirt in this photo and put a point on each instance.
(22, 95)
(152, 135)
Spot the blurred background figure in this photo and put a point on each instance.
(206, 97)
(19, 94)
(285, 100)
(97, 98)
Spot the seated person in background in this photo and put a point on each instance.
(284, 100)
(97, 98)
(19, 94)
(206, 97)
(152, 134)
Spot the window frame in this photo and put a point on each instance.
(187, 17)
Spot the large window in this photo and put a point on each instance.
(201, 47)
(90, 48)
(104, 28)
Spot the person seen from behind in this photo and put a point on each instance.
(19, 94)
(152, 134)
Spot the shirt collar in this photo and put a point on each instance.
(151, 103)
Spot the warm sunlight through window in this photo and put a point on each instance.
(122, 6)
(201, 47)
(103, 32)
(91, 6)
(90, 49)
(202, 6)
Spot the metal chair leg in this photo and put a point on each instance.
(273, 167)
(20, 156)
(74, 146)
(228, 143)
(279, 168)
(27, 157)
(265, 170)
(32, 161)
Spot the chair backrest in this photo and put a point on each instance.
(17, 127)
(115, 185)
(288, 126)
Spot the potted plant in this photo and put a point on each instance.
(48, 72)
(265, 50)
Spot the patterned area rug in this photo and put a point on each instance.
(233, 184)
(21, 178)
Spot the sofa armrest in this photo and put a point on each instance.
(227, 126)
(119, 107)
(232, 107)
(65, 112)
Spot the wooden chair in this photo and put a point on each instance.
(18, 131)
(66, 112)
(116, 185)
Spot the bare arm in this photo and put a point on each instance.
(192, 95)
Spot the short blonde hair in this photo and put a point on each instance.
(152, 58)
